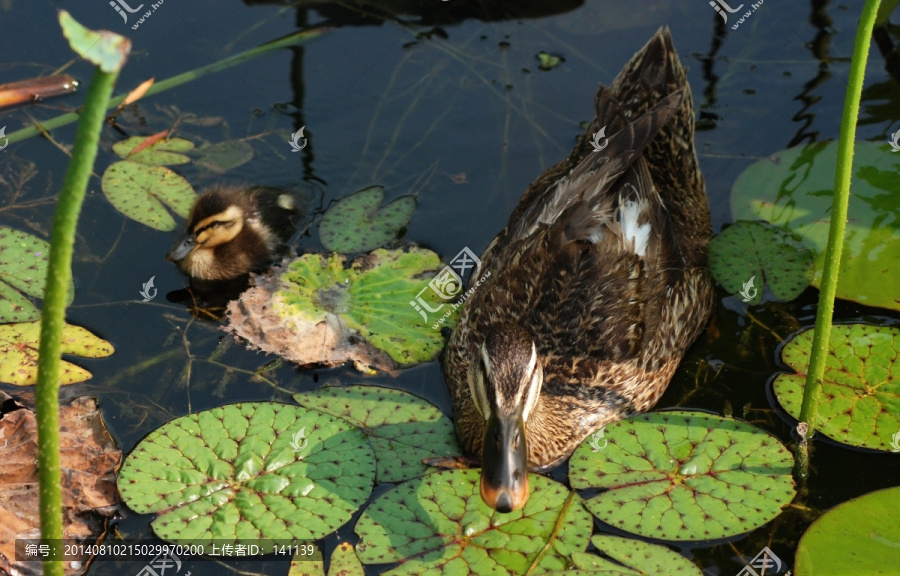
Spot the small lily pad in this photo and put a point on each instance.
(547, 61)
(19, 352)
(103, 48)
(438, 524)
(314, 310)
(859, 400)
(356, 224)
(860, 536)
(343, 562)
(23, 271)
(685, 476)
(627, 557)
(140, 192)
(753, 251)
(402, 428)
(251, 471)
(224, 156)
(307, 564)
(160, 153)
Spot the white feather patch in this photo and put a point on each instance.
(636, 235)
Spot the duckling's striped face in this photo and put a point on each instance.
(219, 228)
(194, 252)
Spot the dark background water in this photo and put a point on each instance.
(417, 97)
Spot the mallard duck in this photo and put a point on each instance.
(597, 285)
(233, 230)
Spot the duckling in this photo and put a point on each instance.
(234, 230)
(595, 289)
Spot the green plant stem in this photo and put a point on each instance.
(834, 248)
(59, 274)
(178, 80)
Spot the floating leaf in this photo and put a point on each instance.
(859, 401)
(161, 152)
(629, 557)
(140, 191)
(224, 156)
(355, 224)
(249, 471)
(402, 428)
(344, 561)
(23, 269)
(685, 476)
(307, 564)
(860, 536)
(313, 310)
(757, 250)
(792, 190)
(19, 352)
(547, 61)
(103, 48)
(438, 524)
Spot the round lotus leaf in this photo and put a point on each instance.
(224, 156)
(140, 192)
(438, 524)
(159, 153)
(792, 189)
(23, 271)
(684, 476)
(355, 224)
(19, 343)
(859, 400)
(249, 471)
(403, 429)
(745, 254)
(860, 536)
(106, 50)
(627, 557)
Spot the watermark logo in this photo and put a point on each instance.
(298, 437)
(895, 442)
(595, 142)
(894, 141)
(718, 6)
(295, 140)
(761, 564)
(595, 440)
(448, 284)
(749, 292)
(147, 287)
(6, 140)
(126, 7)
(6, 441)
(161, 565)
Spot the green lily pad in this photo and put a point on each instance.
(160, 153)
(314, 310)
(343, 562)
(748, 252)
(685, 476)
(303, 564)
(547, 61)
(627, 557)
(224, 156)
(438, 524)
(860, 536)
(792, 189)
(103, 48)
(23, 271)
(859, 400)
(140, 192)
(251, 471)
(19, 344)
(403, 429)
(355, 224)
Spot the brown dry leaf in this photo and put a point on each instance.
(89, 459)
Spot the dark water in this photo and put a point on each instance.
(418, 97)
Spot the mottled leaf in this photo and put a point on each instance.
(748, 253)
(247, 472)
(859, 400)
(860, 536)
(627, 557)
(161, 152)
(141, 192)
(106, 50)
(19, 352)
(303, 564)
(313, 310)
(355, 224)
(344, 561)
(438, 524)
(23, 271)
(685, 476)
(402, 428)
(224, 156)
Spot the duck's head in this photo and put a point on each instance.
(505, 384)
(210, 225)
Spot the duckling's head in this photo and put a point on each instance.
(506, 385)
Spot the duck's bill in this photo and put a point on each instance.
(504, 464)
(181, 248)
